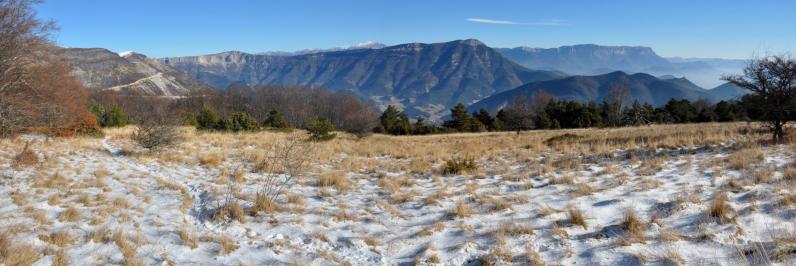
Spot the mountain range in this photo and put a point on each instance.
(423, 79)
(641, 87)
(130, 73)
(590, 59)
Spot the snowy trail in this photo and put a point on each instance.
(200, 196)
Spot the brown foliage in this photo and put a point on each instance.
(26, 157)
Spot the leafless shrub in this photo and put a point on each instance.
(230, 208)
(156, 134)
(285, 160)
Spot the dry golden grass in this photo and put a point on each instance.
(21, 255)
(575, 217)
(373, 242)
(460, 211)
(745, 158)
(61, 259)
(263, 203)
(789, 174)
(127, 248)
(337, 180)
(101, 235)
(230, 210)
(211, 159)
(564, 179)
(297, 199)
(513, 229)
(226, 245)
(719, 208)
(187, 237)
(634, 227)
(440, 148)
(70, 215)
(62, 238)
(19, 198)
(533, 258)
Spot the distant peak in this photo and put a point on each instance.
(127, 53)
(471, 42)
(368, 45)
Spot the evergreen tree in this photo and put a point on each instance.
(681, 111)
(542, 120)
(729, 111)
(320, 129)
(394, 122)
(239, 121)
(487, 120)
(98, 111)
(189, 119)
(461, 121)
(115, 117)
(207, 119)
(420, 127)
(389, 118)
(276, 119)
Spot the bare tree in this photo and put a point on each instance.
(617, 97)
(772, 81)
(540, 99)
(23, 37)
(518, 114)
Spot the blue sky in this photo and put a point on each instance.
(694, 28)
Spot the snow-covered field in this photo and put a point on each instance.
(693, 194)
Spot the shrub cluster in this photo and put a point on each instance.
(321, 130)
(459, 165)
(109, 116)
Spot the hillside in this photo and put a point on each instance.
(642, 87)
(130, 73)
(424, 79)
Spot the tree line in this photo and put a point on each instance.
(557, 114)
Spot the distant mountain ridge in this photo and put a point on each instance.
(130, 73)
(591, 59)
(363, 45)
(641, 87)
(424, 79)
(728, 91)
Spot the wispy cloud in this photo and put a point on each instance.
(492, 21)
(545, 22)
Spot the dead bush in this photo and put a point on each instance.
(154, 135)
(26, 157)
(285, 160)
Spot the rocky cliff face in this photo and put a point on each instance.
(424, 79)
(129, 73)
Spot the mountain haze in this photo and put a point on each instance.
(590, 59)
(424, 79)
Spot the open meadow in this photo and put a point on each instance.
(662, 194)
